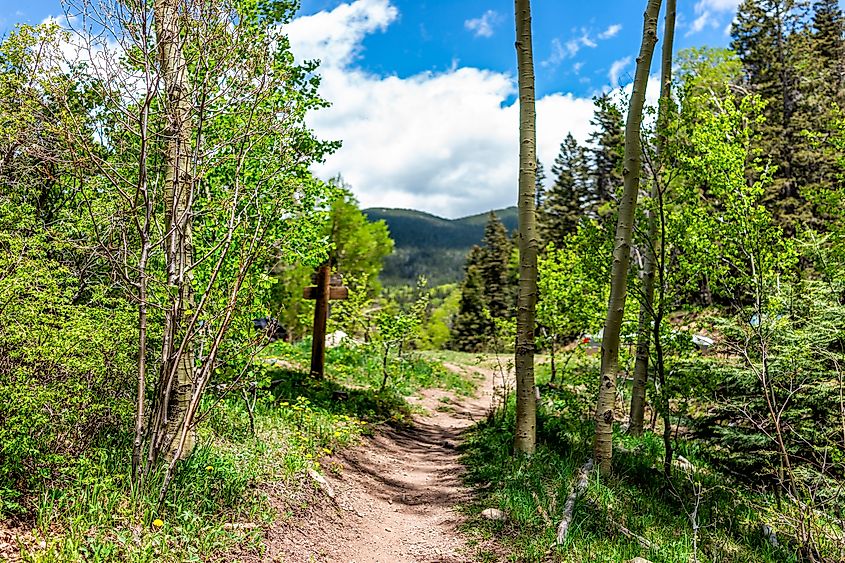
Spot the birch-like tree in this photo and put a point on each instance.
(653, 242)
(526, 403)
(204, 146)
(605, 407)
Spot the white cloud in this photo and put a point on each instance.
(708, 13)
(701, 22)
(611, 31)
(563, 51)
(446, 142)
(718, 5)
(616, 70)
(483, 26)
(335, 37)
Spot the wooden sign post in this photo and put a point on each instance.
(326, 287)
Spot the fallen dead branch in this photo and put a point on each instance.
(580, 485)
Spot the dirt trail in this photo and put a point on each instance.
(396, 493)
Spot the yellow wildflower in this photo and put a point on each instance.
(157, 523)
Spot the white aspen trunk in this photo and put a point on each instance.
(178, 353)
(526, 401)
(653, 243)
(603, 442)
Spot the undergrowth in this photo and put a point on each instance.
(218, 502)
(360, 367)
(613, 516)
(215, 502)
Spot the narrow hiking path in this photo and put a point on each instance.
(397, 491)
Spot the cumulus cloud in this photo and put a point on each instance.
(335, 37)
(616, 70)
(708, 13)
(611, 31)
(443, 142)
(483, 26)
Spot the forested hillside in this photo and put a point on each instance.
(430, 246)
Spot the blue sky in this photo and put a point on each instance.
(423, 92)
(570, 51)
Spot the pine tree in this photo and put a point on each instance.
(768, 36)
(494, 268)
(828, 31)
(568, 196)
(608, 147)
(822, 60)
(473, 327)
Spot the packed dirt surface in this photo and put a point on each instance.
(396, 492)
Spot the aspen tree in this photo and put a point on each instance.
(526, 404)
(177, 353)
(647, 313)
(603, 442)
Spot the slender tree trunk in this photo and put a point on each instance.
(142, 199)
(554, 366)
(526, 402)
(635, 426)
(603, 442)
(178, 356)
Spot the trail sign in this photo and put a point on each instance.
(327, 286)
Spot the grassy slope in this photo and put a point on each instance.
(219, 501)
(532, 493)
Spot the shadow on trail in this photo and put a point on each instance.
(416, 466)
(367, 404)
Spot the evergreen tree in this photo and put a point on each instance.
(473, 327)
(608, 147)
(822, 95)
(494, 268)
(828, 31)
(770, 36)
(568, 195)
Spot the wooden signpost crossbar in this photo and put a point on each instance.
(326, 287)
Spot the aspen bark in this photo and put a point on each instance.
(178, 354)
(526, 402)
(603, 441)
(653, 242)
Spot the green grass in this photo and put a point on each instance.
(360, 367)
(89, 511)
(532, 491)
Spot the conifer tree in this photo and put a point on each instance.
(494, 268)
(828, 40)
(767, 35)
(568, 195)
(606, 154)
(473, 327)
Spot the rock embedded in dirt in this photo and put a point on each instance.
(493, 514)
(639, 560)
(322, 483)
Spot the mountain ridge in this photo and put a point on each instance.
(432, 246)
